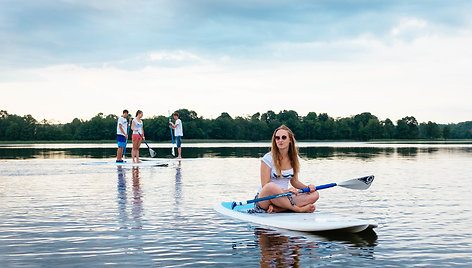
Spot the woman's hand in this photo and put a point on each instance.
(293, 190)
(312, 188)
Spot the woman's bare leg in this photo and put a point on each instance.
(306, 198)
(281, 202)
(137, 151)
(133, 151)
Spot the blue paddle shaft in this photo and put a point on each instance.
(305, 190)
(329, 185)
(127, 133)
(144, 140)
(171, 134)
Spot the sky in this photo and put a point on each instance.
(66, 59)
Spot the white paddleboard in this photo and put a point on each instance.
(131, 164)
(306, 222)
(170, 159)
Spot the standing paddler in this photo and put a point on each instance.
(121, 135)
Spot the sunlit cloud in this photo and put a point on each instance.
(175, 57)
(391, 58)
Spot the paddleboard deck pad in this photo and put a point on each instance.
(306, 222)
(130, 164)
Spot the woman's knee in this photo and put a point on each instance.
(271, 188)
(314, 196)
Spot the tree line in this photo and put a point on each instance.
(313, 126)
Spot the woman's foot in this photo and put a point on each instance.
(307, 208)
(275, 209)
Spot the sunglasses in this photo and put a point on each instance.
(283, 137)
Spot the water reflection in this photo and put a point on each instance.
(358, 152)
(366, 238)
(137, 203)
(121, 198)
(178, 185)
(284, 250)
(313, 152)
(408, 152)
(137, 209)
(278, 250)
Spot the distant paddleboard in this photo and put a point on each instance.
(307, 222)
(131, 164)
(171, 159)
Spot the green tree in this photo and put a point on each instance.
(223, 127)
(359, 126)
(446, 132)
(291, 120)
(343, 128)
(310, 125)
(327, 127)
(373, 129)
(430, 130)
(407, 128)
(389, 129)
(157, 128)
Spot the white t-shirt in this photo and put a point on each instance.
(282, 181)
(179, 130)
(124, 124)
(138, 127)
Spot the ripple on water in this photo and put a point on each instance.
(62, 213)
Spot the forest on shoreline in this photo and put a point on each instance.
(313, 126)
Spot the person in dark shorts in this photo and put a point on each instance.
(121, 135)
(179, 132)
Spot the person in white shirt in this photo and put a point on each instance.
(138, 135)
(279, 167)
(121, 135)
(179, 132)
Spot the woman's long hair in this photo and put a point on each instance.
(292, 152)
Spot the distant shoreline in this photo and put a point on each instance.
(396, 141)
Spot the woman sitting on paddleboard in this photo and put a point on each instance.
(138, 135)
(279, 167)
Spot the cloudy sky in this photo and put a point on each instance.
(61, 59)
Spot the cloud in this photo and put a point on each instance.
(38, 33)
(78, 58)
(174, 56)
(389, 79)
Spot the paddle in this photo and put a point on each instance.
(357, 184)
(151, 151)
(172, 136)
(127, 133)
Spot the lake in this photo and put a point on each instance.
(58, 211)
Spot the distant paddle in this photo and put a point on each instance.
(356, 184)
(127, 133)
(151, 151)
(171, 135)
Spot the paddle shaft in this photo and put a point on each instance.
(171, 135)
(144, 141)
(171, 132)
(305, 190)
(127, 133)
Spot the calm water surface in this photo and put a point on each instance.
(56, 211)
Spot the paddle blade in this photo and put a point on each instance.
(173, 152)
(359, 183)
(152, 152)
